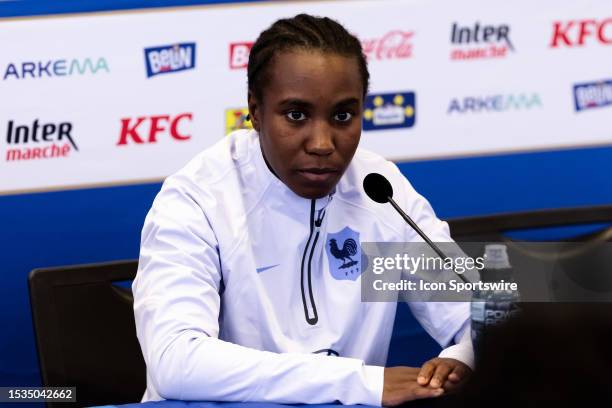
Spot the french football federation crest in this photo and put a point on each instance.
(344, 254)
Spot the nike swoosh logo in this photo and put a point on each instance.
(265, 268)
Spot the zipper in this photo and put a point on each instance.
(310, 308)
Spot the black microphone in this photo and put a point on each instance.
(378, 188)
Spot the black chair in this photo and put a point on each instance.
(85, 332)
(493, 227)
(571, 269)
(550, 352)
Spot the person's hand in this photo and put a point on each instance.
(443, 373)
(400, 385)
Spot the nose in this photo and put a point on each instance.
(320, 142)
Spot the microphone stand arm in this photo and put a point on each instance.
(422, 234)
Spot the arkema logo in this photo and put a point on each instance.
(55, 68)
(170, 58)
(494, 103)
(592, 95)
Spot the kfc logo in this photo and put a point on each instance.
(576, 33)
(146, 129)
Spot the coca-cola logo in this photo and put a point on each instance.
(395, 44)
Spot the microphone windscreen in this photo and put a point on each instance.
(377, 187)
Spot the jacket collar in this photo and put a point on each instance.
(284, 195)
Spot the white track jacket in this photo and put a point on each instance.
(241, 294)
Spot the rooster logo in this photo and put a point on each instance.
(348, 249)
(344, 254)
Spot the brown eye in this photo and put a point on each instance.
(343, 116)
(296, 116)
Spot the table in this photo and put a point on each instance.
(426, 403)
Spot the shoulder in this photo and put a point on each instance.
(214, 176)
(216, 162)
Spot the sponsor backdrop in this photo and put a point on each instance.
(486, 106)
(445, 82)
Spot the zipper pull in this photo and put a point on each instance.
(319, 219)
(321, 212)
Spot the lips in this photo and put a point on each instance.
(318, 174)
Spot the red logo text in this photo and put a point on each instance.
(146, 129)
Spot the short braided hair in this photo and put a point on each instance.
(302, 32)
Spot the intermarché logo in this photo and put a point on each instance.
(39, 140)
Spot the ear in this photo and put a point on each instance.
(254, 111)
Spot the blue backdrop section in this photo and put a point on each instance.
(93, 225)
(526, 181)
(18, 8)
(52, 229)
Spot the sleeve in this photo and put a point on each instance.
(446, 322)
(462, 350)
(177, 305)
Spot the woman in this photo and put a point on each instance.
(248, 285)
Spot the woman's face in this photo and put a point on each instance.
(309, 119)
